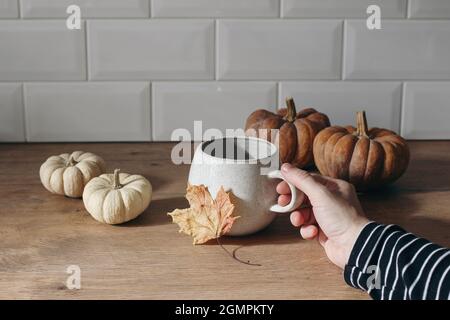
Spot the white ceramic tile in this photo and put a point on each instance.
(89, 8)
(426, 110)
(111, 111)
(429, 9)
(400, 50)
(341, 100)
(9, 9)
(155, 49)
(215, 8)
(11, 113)
(341, 8)
(41, 50)
(277, 49)
(220, 105)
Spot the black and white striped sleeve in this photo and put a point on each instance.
(390, 263)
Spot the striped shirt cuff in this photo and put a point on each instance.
(364, 265)
(390, 263)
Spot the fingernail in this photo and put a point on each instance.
(286, 167)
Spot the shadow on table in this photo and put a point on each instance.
(280, 231)
(156, 213)
(397, 206)
(437, 231)
(156, 181)
(390, 205)
(428, 171)
(391, 202)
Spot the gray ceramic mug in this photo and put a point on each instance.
(240, 165)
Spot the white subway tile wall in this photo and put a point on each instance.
(151, 50)
(341, 8)
(139, 69)
(114, 111)
(215, 8)
(41, 50)
(89, 8)
(426, 110)
(341, 100)
(400, 50)
(11, 113)
(429, 9)
(9, 9)
(220, 105)
(279, 49)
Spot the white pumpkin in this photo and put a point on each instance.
(67, 174)
(118, 197)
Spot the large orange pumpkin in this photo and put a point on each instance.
(366, 158)
(296, 131)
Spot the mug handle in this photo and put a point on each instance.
(297, 196)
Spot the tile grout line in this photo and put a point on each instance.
(402, 107)
(256, 18)
(408, 9)
(152, 120)
(151, 111)
(150, 101)
(24, 120)
(343, 51)
(150, 9)
(216, 51)
(224, 80)
(278, 94)
(280, 8)
(19, 8)
(237, 18)
(86, 51)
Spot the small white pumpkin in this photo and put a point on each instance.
(67, 174)
(118, 197)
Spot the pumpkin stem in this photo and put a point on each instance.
(291, 113)
(362, 128)
(116, 183)
(71, 161)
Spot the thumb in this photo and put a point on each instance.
(303, 181)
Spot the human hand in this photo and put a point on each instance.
(335, 216)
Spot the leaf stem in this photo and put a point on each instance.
(233, 255)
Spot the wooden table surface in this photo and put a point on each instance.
(41, 234)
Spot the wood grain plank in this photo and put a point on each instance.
(41, 234)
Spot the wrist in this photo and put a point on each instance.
(353, 234)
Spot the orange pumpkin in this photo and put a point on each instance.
(296, 131)
(366, 158)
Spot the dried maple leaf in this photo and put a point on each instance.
(206, 218)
